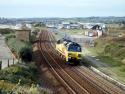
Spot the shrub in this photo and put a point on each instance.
(16, 72)
(25, 54)
(22, 74)
(107, 49)
(6, 31)
(33, 38)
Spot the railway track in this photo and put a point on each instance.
(97, 79)
(92, 88)
(84, 72)
(71, 77)
(61, 74)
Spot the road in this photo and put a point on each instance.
(79, 38)
(5, 53)
(90, 57)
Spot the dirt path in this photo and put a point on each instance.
(5, 53)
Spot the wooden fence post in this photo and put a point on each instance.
(0, 65)
(8, 63)
(13, 61)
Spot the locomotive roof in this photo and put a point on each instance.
(69, 42)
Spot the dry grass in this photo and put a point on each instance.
(6, 85)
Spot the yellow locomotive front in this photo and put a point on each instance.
(70, 50)
(74, 53)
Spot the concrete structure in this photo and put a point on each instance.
(74, 26)
(23, 33)
(66, 25)
(29, 26)
(97, 30)
(7, 26)
(100, 33)
(86, 33)
(50, 25)
(90, 25)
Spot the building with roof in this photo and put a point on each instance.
(23, 33)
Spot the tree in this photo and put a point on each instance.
(25, 54)
(6, 31)
(40, 24)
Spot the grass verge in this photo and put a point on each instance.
(21, 79)
(115, 69)
(73, 31)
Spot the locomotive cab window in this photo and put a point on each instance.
(74, 48)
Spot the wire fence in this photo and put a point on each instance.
(83, 41)
(4, 62)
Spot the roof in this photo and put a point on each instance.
(96, 27)
(23, 27)
(66, 23)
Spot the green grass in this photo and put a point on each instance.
(113, 56)
(15, 44)
(73, 31)
(118, 72)
(110, 61)
(115, 68)
(96, 51)
(6, 35)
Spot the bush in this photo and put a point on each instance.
(22, 74)
(6, 31)
(14, 73)
(107, 49)
(39, 24)
(25, 54)
(33, 38)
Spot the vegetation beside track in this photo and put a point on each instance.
(110, 50)
(21, 78)
(73, 31)
(16, 45)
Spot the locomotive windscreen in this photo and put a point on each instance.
(74, 48)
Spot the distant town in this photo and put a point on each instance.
(96, 26)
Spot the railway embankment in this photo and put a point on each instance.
(22, 77)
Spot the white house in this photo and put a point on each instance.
(66, 25)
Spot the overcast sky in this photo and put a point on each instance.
(61, 8)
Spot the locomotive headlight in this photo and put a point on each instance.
(79, 55)
(69, 54)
